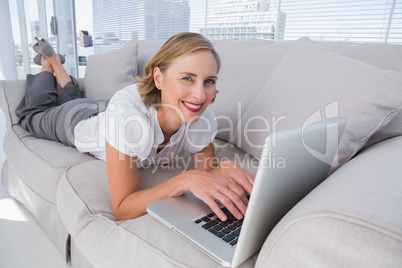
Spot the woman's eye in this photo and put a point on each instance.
(187, 78)
(210, 81)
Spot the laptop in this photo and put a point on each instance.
(305, 153)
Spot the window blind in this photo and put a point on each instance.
(118, 22)
(347, 20)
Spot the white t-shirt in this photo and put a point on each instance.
(133, 129)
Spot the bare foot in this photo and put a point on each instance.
(62, 76)
(46, 65)
(55, 60)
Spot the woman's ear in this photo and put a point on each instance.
(158, 77)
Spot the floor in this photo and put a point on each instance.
(23, 242)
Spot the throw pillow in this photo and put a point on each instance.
(246, 64)
(108, 72)
(313, 83)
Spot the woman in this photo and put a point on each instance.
(156, 118)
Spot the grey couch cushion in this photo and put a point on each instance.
(382, 56)
(313, 83)
(246, 64)
(146, 50)
(354, 216)
(109, 72)
(390, 130)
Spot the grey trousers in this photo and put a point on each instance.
(49, 111)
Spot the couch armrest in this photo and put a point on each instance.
(353, 219)
(11, 93)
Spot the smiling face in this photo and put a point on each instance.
(187, 86)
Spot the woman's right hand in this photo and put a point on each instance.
(210, 187)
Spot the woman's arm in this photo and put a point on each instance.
(128, 201)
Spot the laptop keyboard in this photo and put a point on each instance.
(228, 231)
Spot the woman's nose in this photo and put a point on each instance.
(199, 92)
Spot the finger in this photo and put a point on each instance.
(215, 208)
(240, 191)
(236, 192)
(232, 201)
(245, 200)
(231, 207)
(250, 177)
(242, 179)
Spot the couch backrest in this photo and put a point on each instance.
(384, 56)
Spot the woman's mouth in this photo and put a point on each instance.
(192, 107)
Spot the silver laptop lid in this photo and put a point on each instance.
(293, 163)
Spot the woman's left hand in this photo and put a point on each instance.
(237, 174)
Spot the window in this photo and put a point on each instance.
(343, 20)
(105, 25)
(47, 19)
(118, 22)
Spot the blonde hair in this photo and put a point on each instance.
(176, 46)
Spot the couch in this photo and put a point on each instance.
(352, 219)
